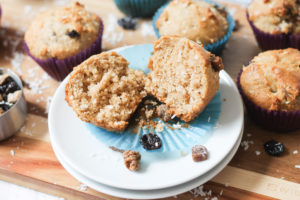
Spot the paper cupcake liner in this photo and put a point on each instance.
(295, 41)
(139, 8)
(215, 48)
(60, 68)
(173, 139)
(267, 41)
(280, 121)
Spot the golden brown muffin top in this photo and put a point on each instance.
(196, 20)
(62, 32)
(275, 16)
(272, 80)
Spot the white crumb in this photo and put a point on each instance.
(295, 152)
(82, 187)
(208, 120)
(111, 35)
(12, 153)
(147, 29)
(16, 61)
(49, 100)
(257, 153)
(249, 134)
(214, 198)
(221, 193)
(159, 127)
(178, 126)
(246, 143)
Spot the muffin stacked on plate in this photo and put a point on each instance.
(201, 21)
(275, 23)
(270, 88)
(62, 38)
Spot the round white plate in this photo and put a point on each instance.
(151, 194)
(93, 159)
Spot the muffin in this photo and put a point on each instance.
(62, 38)
(270, 88)
(201, 21)
(275, 23)
(139, 8)
(104, 91)
(183, 75)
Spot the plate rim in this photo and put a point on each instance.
(223, 74)
(176, 190)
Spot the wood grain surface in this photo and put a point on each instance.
(27, 158)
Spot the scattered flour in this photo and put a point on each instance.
(246, 143)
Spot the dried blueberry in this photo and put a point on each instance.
(4, 106)
(150, 141)
(11, 86)
(127, 23)
(273, 148)
(73, 34)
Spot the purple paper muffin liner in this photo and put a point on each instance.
(268, 41)
(280, 121)
(60, 68)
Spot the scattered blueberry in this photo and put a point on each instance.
(273, 148)
(150, 141)
(127, 23)
(73, 34)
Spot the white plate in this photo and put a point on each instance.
(78, 147)
(150, 194)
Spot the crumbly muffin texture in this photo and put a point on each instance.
(194, 19)
(183, 75)
(275, 16)
(62, 32)
(104, 91)
(272, 80)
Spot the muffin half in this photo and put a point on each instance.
(183, 75)
(104, 91)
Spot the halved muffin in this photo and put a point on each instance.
(183, 75)
(104, 91)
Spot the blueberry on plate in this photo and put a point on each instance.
(150, 141)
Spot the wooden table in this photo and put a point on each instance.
(252, 174)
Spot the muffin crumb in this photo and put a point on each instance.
(132, 160)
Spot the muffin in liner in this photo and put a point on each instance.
(60, 68)
(280, 121)
(216, 47)
(139, 8)
(175, 137)
(268, 41)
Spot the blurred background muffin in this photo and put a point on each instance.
(270, 88)
(139, 8)
(201, 21)
(62, 38)
(275, 23)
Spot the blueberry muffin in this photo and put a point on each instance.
(104, 91)
(63, 37)
(196, 20)
(274, 22)
(270, 84)
(183, 75)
